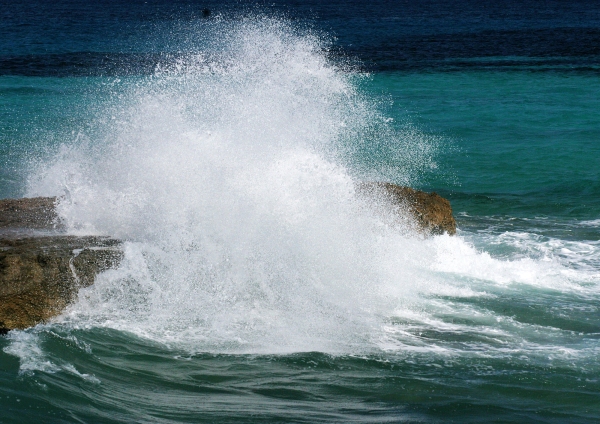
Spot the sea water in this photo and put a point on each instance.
(257, 283)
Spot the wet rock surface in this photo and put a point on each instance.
(24, 215)
(431, 212)
(41, 270)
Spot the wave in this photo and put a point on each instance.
(231, 178)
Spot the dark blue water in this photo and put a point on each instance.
(220, 140)
(77, 38)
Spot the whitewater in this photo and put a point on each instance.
(231, 180)
(231, 174)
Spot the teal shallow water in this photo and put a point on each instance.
(521, 143)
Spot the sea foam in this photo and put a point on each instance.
(230, 174)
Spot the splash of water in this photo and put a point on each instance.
(230, 177)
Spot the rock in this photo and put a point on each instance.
(23, 215)
(41, 270)
(432, 213)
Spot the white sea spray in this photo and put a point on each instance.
(229, 175)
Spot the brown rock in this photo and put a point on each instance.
(432, 213)
(40, 276)
(35, 213)
(41, 270)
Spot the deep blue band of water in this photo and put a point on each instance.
(76, 38)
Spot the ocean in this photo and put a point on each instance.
(223, 142)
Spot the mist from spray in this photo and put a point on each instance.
(231, 176)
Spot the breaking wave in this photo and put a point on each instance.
(231, 176)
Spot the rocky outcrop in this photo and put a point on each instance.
(40, 276)
(41, 270)
(24, 215)
(431, 212)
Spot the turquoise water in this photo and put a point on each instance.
(521, 148)
(256, 285)
(520, 133)
(483, 121)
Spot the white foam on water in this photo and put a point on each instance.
(543, 266)
(28, 346)
(590, 223)
(229, 179)
(25, 345)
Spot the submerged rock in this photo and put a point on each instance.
(41, 270)
(431, 212)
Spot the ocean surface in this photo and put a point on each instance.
(223, 141)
